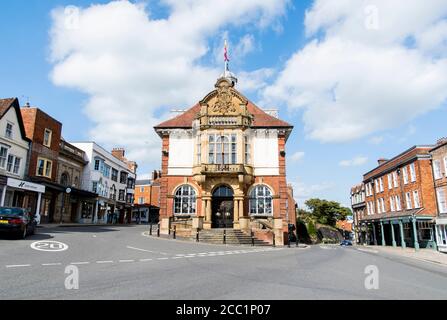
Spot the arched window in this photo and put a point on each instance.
(261, 201)
(185, 201)
(65, 179)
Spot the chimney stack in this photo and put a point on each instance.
(382, 161)
(119, 153)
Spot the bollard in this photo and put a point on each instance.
(197, 235)
(174, 234)
(274, 240)
(288, 240)
(297, 242)
(252, 239)
(150, 231)
(225, 237)
(158, 231)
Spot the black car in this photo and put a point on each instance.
(17, 221)
(346, 243)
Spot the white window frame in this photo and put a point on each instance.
(189, 199)
(379, 209)
(267, 196)
(442, 200)
(412, 172)
(390, 181)
(398, 203)
(405, 173)
(50, 137)
(11, 134)
(392, 205)
(416, 199)
(381, 184)
(395, 180)
(437, 169)
(408, 201)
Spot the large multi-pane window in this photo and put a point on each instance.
(185, 201)
(261, 201)
(222, 149)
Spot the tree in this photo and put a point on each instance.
(327, 212)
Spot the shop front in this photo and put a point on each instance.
(23, 194)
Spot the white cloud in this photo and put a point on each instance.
(356, 77)
(132, 66)
(303, 191)
(296, 156)
(376, 140)
(355, 162)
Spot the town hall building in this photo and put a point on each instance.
(224, 167)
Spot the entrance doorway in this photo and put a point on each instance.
(223, 208)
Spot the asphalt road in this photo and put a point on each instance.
(122, 263)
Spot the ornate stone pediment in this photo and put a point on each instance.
(225, 100)
(224, 106)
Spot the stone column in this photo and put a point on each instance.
(415, 234)
(383, 233)
(402, 238)
(392, 234)
(203, 210)
(208, 217)
(241, 208)
(236, 210)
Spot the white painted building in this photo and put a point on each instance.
(14, 152)
(110, 178)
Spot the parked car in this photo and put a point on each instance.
(346, 243)
(17, 221)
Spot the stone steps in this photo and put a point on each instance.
(236, 237)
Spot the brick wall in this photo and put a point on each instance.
(35, 122)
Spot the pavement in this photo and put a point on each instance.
(123, 262)
(427, 255)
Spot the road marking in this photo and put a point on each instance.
(126, 261)
(51, 264)
(18, 266)
(79, 263)
(144, 250)
(145, 260)
(177, 257)
(162, 258)
(49, 246)
(102, 262)
(367, 250)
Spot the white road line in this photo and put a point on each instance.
(103, 262)
(126, 261)
(51, 264)
(162, 258)
(368, 250)
(144, 250)
(145, 260)
(177, 257)
(79, 263)
(18, 266)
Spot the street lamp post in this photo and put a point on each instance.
(67, 191)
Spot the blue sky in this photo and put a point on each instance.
(323, 76)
